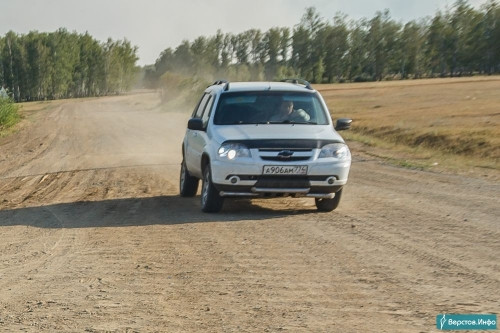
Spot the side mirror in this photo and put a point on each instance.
(343, 124)
(195, 124)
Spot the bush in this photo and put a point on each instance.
(9, 115)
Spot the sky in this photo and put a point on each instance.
(154, 25)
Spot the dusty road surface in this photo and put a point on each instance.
(94, 237)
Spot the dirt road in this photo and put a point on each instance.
(94, 237)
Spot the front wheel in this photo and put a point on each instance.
(328, 205)
(188, 184)
(211, 201)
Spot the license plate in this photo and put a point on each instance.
(285, 170)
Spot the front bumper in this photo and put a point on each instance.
(245, 178)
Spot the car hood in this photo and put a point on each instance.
(224, 133)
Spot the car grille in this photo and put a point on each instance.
(285, 155)
(281, 159)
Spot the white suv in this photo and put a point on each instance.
(264, 139)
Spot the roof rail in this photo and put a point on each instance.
(216, 83)
(298, 81)
(219, 82)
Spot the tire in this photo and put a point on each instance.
(188, 184)
(211, 201)
(328, 205)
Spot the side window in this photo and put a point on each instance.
(206, 114)
(201, 106)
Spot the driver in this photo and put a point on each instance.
(286, 112)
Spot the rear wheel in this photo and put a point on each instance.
(188, 184)
(211, 201)
(328, 205)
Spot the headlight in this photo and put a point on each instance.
(233, 150)
(337, 150)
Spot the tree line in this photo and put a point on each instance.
(60, 64)
(460, 41)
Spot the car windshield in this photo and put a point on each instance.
(265, 107)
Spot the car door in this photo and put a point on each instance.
(196, 140)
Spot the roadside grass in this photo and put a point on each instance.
(25, 113)
(9, 115)
(445, 123)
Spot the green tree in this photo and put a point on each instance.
(308, 46)
(382, 40)
(491, 36)
(436, 47)
(459, 41)
(272, 41)
(358, 52)
(410, 50)
(13, 58)
(64, 52)
(337, 48)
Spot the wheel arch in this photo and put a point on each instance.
(205, 160)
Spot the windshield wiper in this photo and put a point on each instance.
(292, 122)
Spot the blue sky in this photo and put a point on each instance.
(154, 25)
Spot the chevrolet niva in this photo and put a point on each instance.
(264, 139)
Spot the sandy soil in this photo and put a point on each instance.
(94, 237)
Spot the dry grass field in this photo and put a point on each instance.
(451, 123)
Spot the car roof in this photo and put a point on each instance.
(262, 86)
